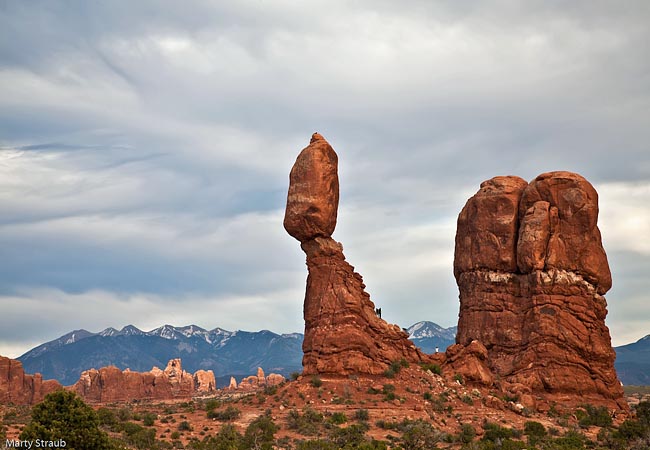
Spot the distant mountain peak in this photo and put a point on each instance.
(74, 336)
(110, 331)
(131, 330)
(426, 329)
(431, 337)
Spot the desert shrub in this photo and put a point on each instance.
(124, 414)
(107, 417)
(434, 368)
(142, 439)
(318, 444)
(294, 376)
(467, 399)
(598, 416)
(338, 418)
(572, 440)
(63, 415)
(352, 436)
(260, 434)
(316, 381)
(467, 433)
(459, 378)
(389, 392)
(494, 432)
(361, 415)
(532, 428)
(395, 368)
(228, 438)
(324, 444)
(175, 435)
(148, 419)
(419, 435)
(643, 413)
(227, 415)
(386, 425)
(631, 429)
(213, 403)
(270, 390)
(184, 426)
(308, 423)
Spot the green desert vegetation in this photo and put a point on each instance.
(146, 426)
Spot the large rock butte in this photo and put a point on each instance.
(343, 334)
(22, 389)
(532, 272)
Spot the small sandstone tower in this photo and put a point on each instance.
(532, 271)
(343, 334)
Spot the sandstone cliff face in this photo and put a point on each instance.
(343, 334)
(22, 389)
(531, 271)
(110, 384)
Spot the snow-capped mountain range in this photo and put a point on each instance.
(430, 336)
(225, 352)
(237, 353)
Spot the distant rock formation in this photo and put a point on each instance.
(257, 381)
(110, 384)
(18, 388)
(531, 271)
(204, 381)
(343, 334)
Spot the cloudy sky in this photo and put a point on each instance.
(145, 149)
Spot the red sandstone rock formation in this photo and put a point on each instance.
(256, 381)
(22, 389)
(531, 271)
(204, 381)
(342, 332)
(110, 384)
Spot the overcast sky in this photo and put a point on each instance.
(145, 149)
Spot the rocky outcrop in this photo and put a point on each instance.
(110, 384)
(531, 271)
(257, 381)
(343, 334)
(19, 388)
(204, 381)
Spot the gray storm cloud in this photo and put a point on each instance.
(145, 149)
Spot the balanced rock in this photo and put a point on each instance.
(343, 334)
(313, 198)
(20, 388)
(531, 271)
